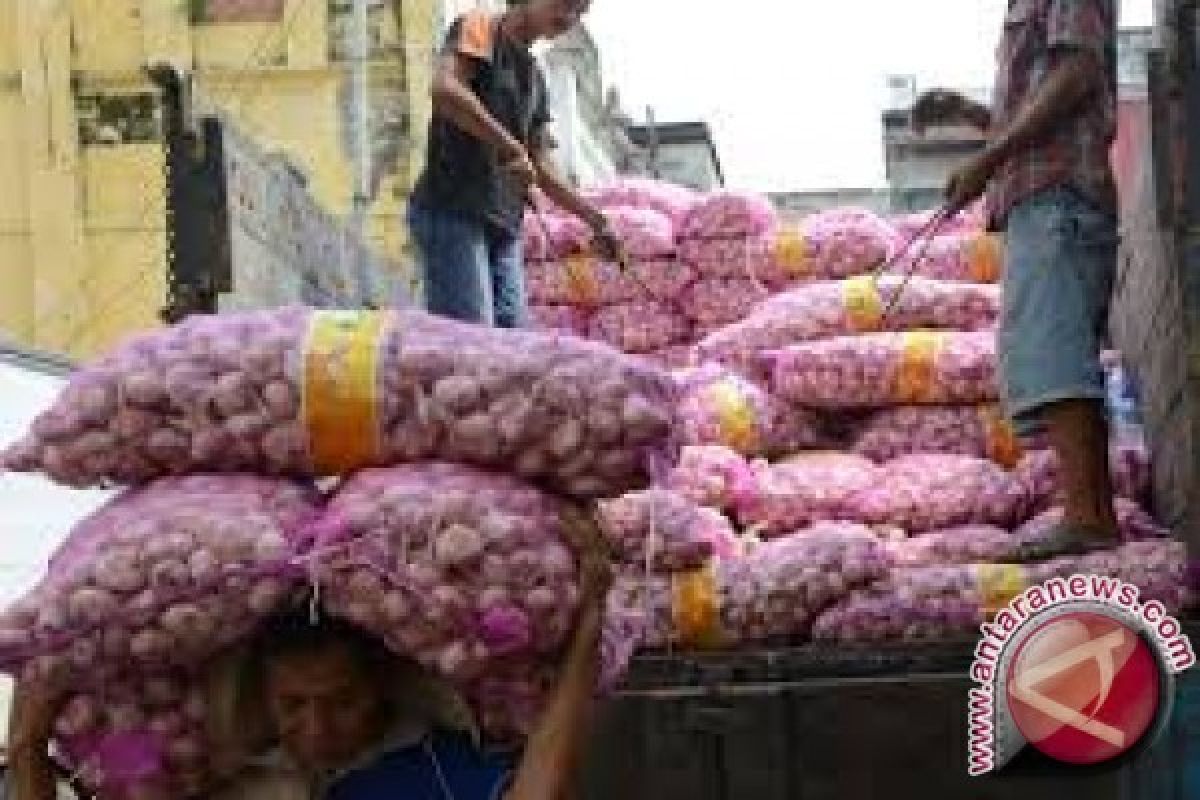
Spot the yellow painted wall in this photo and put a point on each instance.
(124, 212)
(16, 282)
(9, 61)
(82, 241)
(50, 171)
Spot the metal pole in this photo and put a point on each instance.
(360, 127)
(652, 132)
(360, 109)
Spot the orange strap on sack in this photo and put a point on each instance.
(985, 258)
(1003, 446)
(790, 251)
(696, 608)
(735, 417)
(582, 285)
(341, 390)
(916, 379)
(864, 306)
(998, 585)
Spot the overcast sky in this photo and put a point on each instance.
(793, 89)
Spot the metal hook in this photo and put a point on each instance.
(623, 260)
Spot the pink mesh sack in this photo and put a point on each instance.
(772, 592)
(300, 392)
(979, 431)
(161, 576)
(887, 369)
(925, 492)
(639, 327)
(712, 302)
(453, 567)
(778, 499)
(722, 408)
(728, 214)
(843, 308)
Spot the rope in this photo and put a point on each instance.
(917, 246)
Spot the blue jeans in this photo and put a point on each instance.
(473, 272)
(1059, 273)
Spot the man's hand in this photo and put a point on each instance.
(944, 107)
(520, 169)
(553, 750)
(970, 181)
(604, 241)
(607, 245)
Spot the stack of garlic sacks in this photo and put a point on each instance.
(811, 413)
(573, 291)
(456, 449)
(697, 263)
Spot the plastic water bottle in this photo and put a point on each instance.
(1124, 405)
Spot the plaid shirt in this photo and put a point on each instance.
(1076, 153)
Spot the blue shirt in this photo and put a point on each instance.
(443, 766)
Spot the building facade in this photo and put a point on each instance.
(82, 228)
(678, 152)
(917, 167)
(794, 206)
(579, 126)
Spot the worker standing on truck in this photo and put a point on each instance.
(487, 149)
(1051, 191)
(340, 734)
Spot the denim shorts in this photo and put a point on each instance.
(473, 272)
(1060, 268)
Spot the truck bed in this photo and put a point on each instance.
(816, 723)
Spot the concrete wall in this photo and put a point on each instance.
(921, 164)
(578, 156)
(689, 164)
(925, 162)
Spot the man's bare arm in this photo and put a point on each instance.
(1073, 80)
(553, 751)
(562, 194)
(454, 100)
(567, 198)
(31, 726)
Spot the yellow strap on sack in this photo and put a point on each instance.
(864, 306)
(985, 256)
(790, 251)
(583, 287)
(998, 585)
(916, 378)
(696, 609)
(735, 416)
(1003, 446)
(341, 392)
